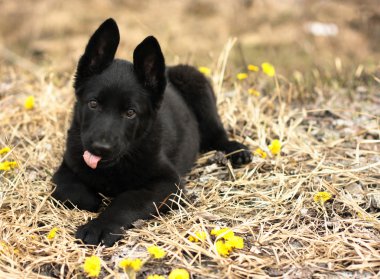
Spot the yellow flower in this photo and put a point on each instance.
(179, 273)
(156, 252)
(204, 70)
(261, 153)
(225, 233)
(29, 102)
(92, 266)
(275, 147)
(5, 150)
(322, 197)
(252, 68)
(254, 92)
(155, 276)
(268, 69)
(235, 242)
(134, 264)
(222, 248)
(52, 233)
(199, 236)
(3, 247)
(241, 76)
(7, 165)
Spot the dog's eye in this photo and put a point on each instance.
(93, 104)
(129, 114)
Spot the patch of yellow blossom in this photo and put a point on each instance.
(260, 152)
(222, 249)
(254, 92)
(8, 165)
(3, 247)
(52, 233)
(235, 242)
(198, 236)
(29, 102)
(253, 68)
(204, 70)
(268, 69)
(322, 197)
(241, 76)
(179, 273)
(225, 247)
(131, 264)
(5, 150)
(155, 276)
(156, 252)
(224, 233)
(228, 241)
(92, 266)
(275, 147)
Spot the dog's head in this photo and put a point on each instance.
(117, 101)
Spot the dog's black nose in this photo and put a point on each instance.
(101, 148)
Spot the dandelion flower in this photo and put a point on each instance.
(7, 165)
(3, 247)
(254, 92)
(268, 69)
(134, 264)
(222, 249)
(225, 233)
(29, 102)
(52, 233)
(261, 153)
(179, 273)
(5, 150)
(241, 76)
(204, 70)
(322, 197)
(252, 68)
(199, 236)
(235, 242)
(92, 266)
(156, 252)
(155, 276)
(275, 147)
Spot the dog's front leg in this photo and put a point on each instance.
(72, 192)
(125, 209)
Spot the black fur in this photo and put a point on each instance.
(147, 123)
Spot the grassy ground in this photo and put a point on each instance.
(323, 105)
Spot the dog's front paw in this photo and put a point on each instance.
(98, 231)
(238, 153)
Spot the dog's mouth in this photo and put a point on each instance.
(94, 161)
(91, 160)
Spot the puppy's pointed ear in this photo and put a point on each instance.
(149, 65)
(100, 51)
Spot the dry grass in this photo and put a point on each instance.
(331, 145)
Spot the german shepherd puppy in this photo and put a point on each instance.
(136, 131)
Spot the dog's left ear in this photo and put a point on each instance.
(100, 51)
(149, 65)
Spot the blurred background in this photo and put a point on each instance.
(294, 35)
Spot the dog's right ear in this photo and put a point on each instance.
(100, 51)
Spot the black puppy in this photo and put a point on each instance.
(136, 130)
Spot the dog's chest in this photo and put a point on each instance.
(111, 182)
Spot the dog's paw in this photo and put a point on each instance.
(97, 231)
(78, 195)
(238, 153)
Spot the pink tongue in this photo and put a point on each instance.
(91, 160)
